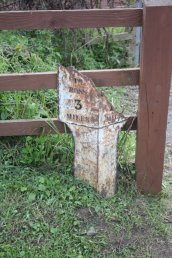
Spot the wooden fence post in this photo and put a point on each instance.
(156, 66)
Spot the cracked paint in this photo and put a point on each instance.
(95, 126)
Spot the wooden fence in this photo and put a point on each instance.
(153, 77)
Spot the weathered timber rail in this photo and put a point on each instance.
(153, 77)
(48, 80)
(44, 126)
(70, 19)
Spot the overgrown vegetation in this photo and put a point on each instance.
(61, 4)
(44, 210)
(27, 52)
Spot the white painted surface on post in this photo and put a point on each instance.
(95, 126)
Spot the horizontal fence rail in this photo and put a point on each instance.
(44, 126)
(48, 80)
(154, 86)
(55, 19)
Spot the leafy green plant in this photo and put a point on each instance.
(45, 212)
(53, 149)
(26, 51)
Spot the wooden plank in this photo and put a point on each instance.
(114, 77)
(43, 126)
(155, 75)
(31, 127)
(56, 19)
(38, 81)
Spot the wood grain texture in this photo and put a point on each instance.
(155, 75)
(31, 127)
(43, 126)
(70, 19)
(39, 81)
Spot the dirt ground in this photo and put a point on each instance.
(141, 236)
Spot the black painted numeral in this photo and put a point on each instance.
(78, 105)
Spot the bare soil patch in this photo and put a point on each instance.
(140, 238)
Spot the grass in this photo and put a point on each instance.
(45, 211)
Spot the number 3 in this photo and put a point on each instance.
(78, 105)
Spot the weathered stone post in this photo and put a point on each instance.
(95, 126)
